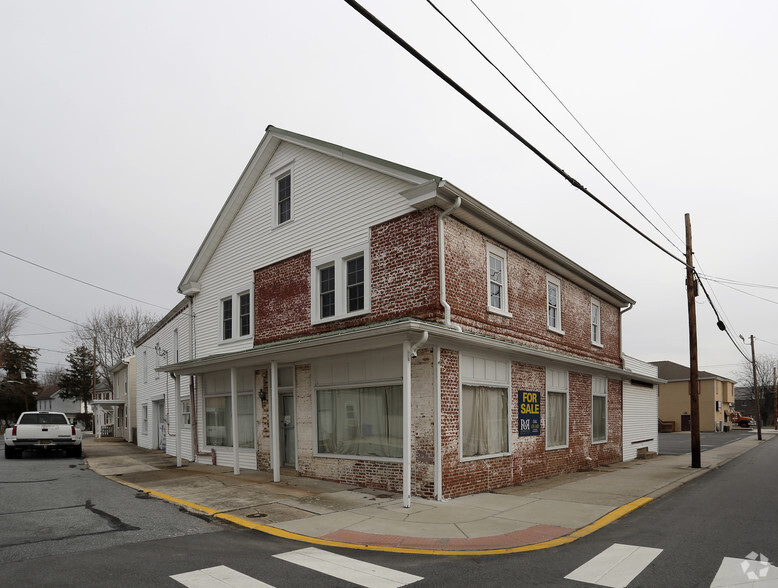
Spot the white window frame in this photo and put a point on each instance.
(317, 389)
(286, 171)
(157, 351)
(596, 336)
(558, 382)
(145, 419)
(552, 281)
(500, 254)
(186, 412)
(175, 345)
(235, 296)
(600, 390)
(487, 378)
(220, 388)
(145, 366)
(339, 263)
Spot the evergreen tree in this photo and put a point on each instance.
(76, 382)
(18, 379)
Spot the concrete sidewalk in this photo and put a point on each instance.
(535, 515)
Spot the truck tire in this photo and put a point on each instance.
(9, 452)
(74, 452)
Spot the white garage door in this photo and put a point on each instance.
(640, 424)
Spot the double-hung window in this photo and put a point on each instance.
(235, 311)
(497, 269)
(596, 323)
(556, 408)
(186, 413)
(554, 304)
(341, 286)
(283, 196)
(599, 409)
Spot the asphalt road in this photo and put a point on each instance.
(680, 443)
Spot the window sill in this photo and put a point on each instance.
(596, 344)
(555, 330)
(603, 442)
(557, 447)
(358, 457)
(478, 457)
(235, 340)
(332, 319)
(499, 311)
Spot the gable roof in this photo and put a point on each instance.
(429, 190)
(675, 372)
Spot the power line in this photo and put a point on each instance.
(540, 112)
(464, 93)
(44, 311)
(81, 281)
(582, 128)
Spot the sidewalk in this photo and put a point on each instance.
(535, 515)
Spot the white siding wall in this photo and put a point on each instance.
(641, 411)
(161, 386)
(324, 190)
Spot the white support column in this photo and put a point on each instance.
(275, 449)
(178, 419)
(234, 401)
(406, 424)
(438, 462)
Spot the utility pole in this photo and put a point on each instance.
(775, 396)
(94, 380)
(694, 376)
(756, 393)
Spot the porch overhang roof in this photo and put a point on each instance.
(390, 334)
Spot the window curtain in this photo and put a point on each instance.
(360, 421)
(556, 425)
(484, 421)
(218, 421)
(598, 418)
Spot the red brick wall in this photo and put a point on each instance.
(467, 293)
(529, 459)
(403, 282)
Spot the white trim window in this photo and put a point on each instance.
(235, 316)
(145, 419)
(341, 286)
(554, 304)
(283, 198)
(186, 412)
(497, 269)
(484, 411)
(363, 422)
(218, 409)
(557, 408)
(596, 323)
(145, 366)
(599, 409)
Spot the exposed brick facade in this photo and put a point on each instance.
(404, 283)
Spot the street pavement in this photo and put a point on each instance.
(535, 515)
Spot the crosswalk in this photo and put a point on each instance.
(615, 567)
(344, 568)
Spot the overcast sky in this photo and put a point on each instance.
(125, 124)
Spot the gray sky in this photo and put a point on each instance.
(124, 126)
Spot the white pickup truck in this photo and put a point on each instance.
(38, 431)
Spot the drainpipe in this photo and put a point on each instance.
(438, 465)
(442, 263)
(621, 331)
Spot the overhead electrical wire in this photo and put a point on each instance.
(464, 93)
(578, 122)
(557, 129)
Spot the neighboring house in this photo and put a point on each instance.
(356, 320)
(108, 410)
(123, 376)
(166, 342)
(716, 398)
(640, 398)
(48, 398)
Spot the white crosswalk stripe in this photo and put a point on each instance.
(745, 573)
(615, 567)
(218, 577)
(346, 568)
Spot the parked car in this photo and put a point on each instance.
(42, 431)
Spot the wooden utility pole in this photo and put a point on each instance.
(756, 393)
(694, 376)
(94, 381)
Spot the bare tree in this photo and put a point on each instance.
(115, 331)
(764, 381)
(50, 376)
(10, 315)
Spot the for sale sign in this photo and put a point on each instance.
(529, 413)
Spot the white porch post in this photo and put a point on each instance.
(177, 394)
(234, 401)
(438, 484)
(406, 424)
(275, 449)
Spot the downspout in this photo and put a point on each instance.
(409, 352)
(437, 461)
(442, 263)
(193, 395)
(621, 331)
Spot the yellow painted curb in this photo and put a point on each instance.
(583, 532)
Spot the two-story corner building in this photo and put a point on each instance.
(356, 320)
(716, 393)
